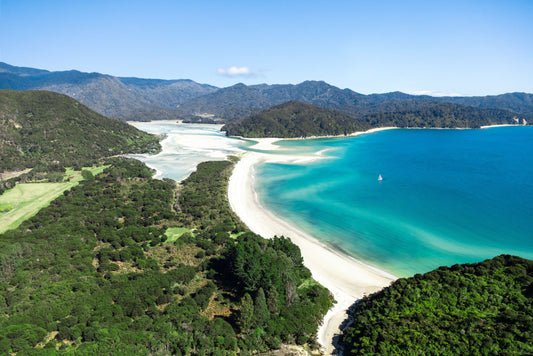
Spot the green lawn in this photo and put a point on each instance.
(174, 233)
(26, 199)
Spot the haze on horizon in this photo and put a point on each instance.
(420, 47)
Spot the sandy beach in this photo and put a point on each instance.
(347, 278)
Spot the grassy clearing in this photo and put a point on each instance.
(26, 199)
(234, 236)
(174, 233)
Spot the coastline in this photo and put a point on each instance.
(347, 279)
(502, 125)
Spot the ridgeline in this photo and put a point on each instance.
(155, 99)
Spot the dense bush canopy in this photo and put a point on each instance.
(93, 273)
(472, 309)
(296, 119)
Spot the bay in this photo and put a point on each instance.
(447, 196)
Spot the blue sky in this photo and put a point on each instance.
(453, 47)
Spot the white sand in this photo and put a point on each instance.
(502, 125)
(345, 277)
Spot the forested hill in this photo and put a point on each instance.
(472, 309)
(44, 128)
(439, 115)
(521, 103)
(295, 119)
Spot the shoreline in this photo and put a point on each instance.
(502, 125)
(356, 279)
(259, 140)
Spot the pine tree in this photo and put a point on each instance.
(261, 314)
(273, 300)
(246, 312)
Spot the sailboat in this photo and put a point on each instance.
(380, 178)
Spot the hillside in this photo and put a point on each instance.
(46, 128)
(520, 103)
(122, 265)
(438, 115)
(472, 309)
(295, 119)
(115, 97)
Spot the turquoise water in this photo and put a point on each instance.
(447, 196)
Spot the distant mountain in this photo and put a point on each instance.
(521, 103)
(295, 119)
(43, 128)
(114, 97)
(239, 101)
(147, 99)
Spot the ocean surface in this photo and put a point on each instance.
(447, 196)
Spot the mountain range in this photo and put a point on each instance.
(149, 99)
(115, 97)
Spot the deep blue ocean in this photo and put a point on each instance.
(447, 196)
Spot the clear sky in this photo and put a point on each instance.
(464, 47)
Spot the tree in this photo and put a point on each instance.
(246, 312)
(273, 300)
(87, 175)
(261, 314)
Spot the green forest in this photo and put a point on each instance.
(93, 273)
(484, 308)
(295, 119)
(42, 128)
(437, 115)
